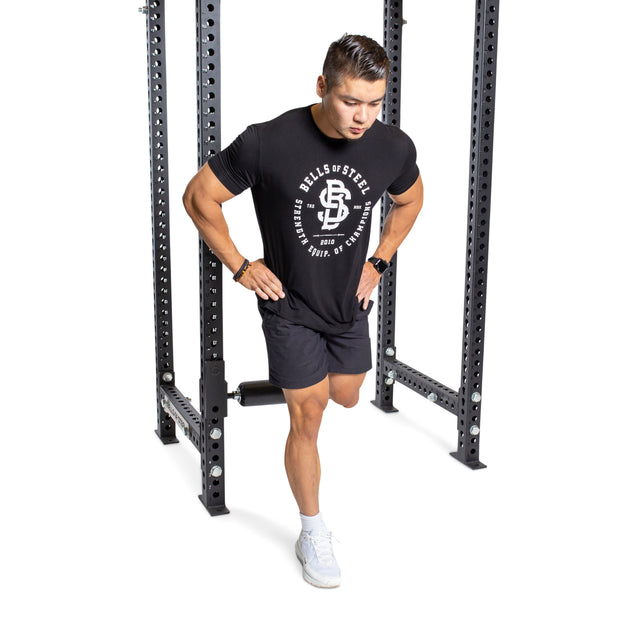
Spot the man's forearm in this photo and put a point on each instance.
(397, 225)
(207, 216)
(213, 229)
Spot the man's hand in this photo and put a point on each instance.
(368, 282)
(259, 278)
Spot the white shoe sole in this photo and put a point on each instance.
(310, 579)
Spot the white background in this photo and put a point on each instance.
(103, 535)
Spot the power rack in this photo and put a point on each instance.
(205, 428)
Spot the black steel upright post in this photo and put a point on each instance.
(393, 23)
(159, 156)
(475, 294)
(213, 386)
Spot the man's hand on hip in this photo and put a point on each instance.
(368, 282)
(259, 278)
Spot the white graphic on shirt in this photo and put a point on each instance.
(332, 198)
(325, 225)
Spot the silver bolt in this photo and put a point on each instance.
(476, 397)
(474, 430)
(143, 9)
(392, 374)
(216, 471)
(216, 433)
(388, 381)
(167, 377)
(432, 397)
(390, 351)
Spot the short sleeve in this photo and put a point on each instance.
(237, 166)
(409, 172)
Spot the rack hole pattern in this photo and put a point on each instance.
(424, 385)
(485, 55)
(212, 383)
(158, 149)
(390, 115)
(208, 76)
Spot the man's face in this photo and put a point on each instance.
(351, 107)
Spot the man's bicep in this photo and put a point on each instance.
(413, 195)
(205, 185)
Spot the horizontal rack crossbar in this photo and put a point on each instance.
(431, 389)
(184, 414)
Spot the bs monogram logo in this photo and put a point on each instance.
(324, 223)
(333, 197)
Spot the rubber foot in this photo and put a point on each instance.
(472, 464)
(220, 510)
(168, 439)
(386, 409)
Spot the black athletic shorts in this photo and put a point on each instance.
(300, 357)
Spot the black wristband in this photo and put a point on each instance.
(245, 265)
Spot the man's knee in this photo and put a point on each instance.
(311, 409)
(347, 399)
(306, 407)
(345, 389)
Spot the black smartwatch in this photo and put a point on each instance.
(379, 264)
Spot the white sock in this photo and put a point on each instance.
(312, 524)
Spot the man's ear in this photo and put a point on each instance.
(321, 87)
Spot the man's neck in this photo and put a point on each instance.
(321, 121)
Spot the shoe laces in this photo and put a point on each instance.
(322, 546)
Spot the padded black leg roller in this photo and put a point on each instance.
(256, 393)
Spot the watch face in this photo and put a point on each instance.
(379, 264)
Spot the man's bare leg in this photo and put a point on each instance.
(314, 548)
(344, 388)
(301, 459)
(306, 407)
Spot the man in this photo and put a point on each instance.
(315, 175)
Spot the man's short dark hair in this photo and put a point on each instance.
(356, 57)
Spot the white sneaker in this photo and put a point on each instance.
(319, 566)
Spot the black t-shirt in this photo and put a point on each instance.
(313, 197)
